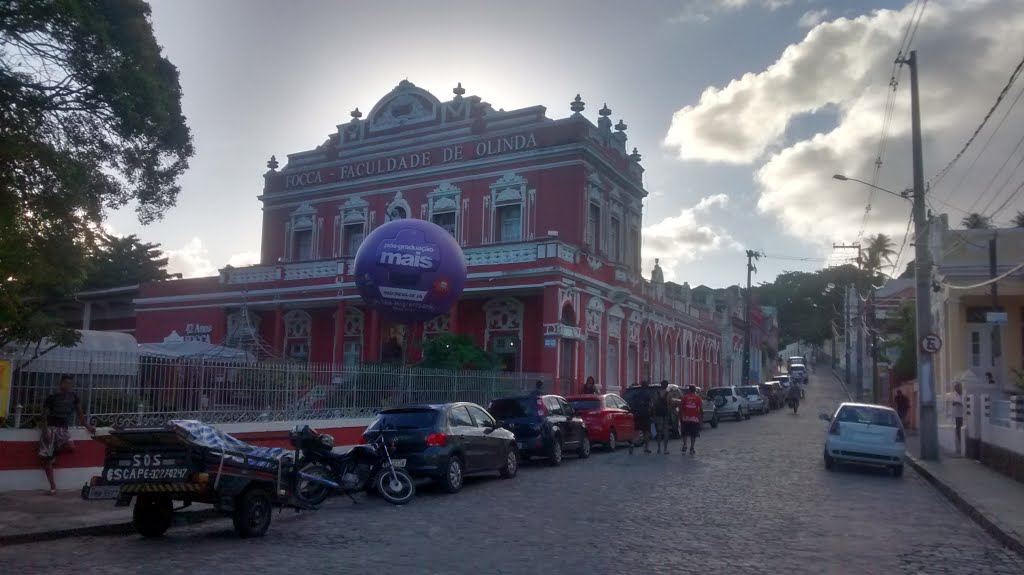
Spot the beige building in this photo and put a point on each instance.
(970, 352)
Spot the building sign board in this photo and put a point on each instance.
(996, 318)
(410, 161)
(198, 332)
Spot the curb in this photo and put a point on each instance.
(1008, 539)
(843, 384)
(110, 529)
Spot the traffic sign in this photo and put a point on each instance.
(931, 343)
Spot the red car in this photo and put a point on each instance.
(607, 416)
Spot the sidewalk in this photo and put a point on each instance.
(36, 516)
(991, 499)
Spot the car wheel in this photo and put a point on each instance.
(830, 463)
(253, 511)
(511, 466)
(584, 451)
(746, 415)
(152, 515)
(451, 481)
(714, 421)
(897, 470)
(739, 415)
(555, 452)
(613, 441)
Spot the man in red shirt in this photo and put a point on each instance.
(691, 414)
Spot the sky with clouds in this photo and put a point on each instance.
(743, 109)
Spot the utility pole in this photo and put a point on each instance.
(847, 323)
(876, 392)
(997, 346)
(923, 278)
(751, 268)
(859, 323)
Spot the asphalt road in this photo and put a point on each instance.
(755, 499)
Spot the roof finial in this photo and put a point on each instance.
(635, 156)
(577, 105)
(458, 91)
(356, 114)
(620, 127)
(272, 164)
(604, 111)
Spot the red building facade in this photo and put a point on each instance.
(548, 213)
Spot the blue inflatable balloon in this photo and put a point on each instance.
(410, 270)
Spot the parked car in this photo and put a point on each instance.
(757, 401)
(773, 391)
(675, 393)
(795, 359)
(783, 380)
(608, 419)
(865, 434)
(446, 442)
(729, 402)
(544, 426)
(710, 409)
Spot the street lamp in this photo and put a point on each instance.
(906, 194)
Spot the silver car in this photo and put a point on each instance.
(756, 400)
(730, 403)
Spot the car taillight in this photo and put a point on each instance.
(900, 437)
(437, 440)
(833, 429)
(541, 410)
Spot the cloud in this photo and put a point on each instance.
(244, 259)
(701, 11)
(685, 238)
(812, 18)
(846, 65)
(190, 261)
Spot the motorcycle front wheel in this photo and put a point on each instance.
(395, 486)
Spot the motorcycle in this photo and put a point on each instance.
(368, 468)
(793, 403)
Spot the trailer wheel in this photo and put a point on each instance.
(252, 513)
(152, 515)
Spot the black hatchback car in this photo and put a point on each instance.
(544, 425)
(446, 442)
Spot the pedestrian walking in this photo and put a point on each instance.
(662, 417)
(644, 405)
(54, 436)
(691, 412)
(902, 406)
(590, 386)
(958, 413)
(539, 389)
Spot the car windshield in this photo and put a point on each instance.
(720, 392)
(868, 415)
(421, 418)
(512, 408)
(796, 367)
(585, 404)
(747, 390)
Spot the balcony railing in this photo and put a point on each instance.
(492, 255)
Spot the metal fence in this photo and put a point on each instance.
(132, 389)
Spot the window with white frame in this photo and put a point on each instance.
(352, 238)
(297, 331)
(509, 220)
(508, 196)
(614, 237)
(594, 226)
(443, 205)
(300, 237)
(445, 220)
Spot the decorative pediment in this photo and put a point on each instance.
(508, 180)
(403, 106)
(444, 205)
(509, 195)
(354, 210)
(302, 216)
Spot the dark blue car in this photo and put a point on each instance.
(544, 426)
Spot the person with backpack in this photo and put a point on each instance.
(642, 416)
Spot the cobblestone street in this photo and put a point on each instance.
(755, 499)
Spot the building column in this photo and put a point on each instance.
(550, 344)
(453, 319)
(278, 342)
(87, 315)
(339, 334)
(371, 347)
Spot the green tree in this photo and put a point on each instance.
(1018, 220)
(877, 253)
(976, 221)
(90, 119)
(456, 351)
(905, 368)
(125, 261)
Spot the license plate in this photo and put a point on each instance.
(398, 463)
(103, 492)
(522, 445)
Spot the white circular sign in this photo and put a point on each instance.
(931, 343)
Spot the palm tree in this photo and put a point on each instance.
(1018, 220)
(976, 221)
(877, 253)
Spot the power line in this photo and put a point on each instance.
(1011, 271)
(1002, 94)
